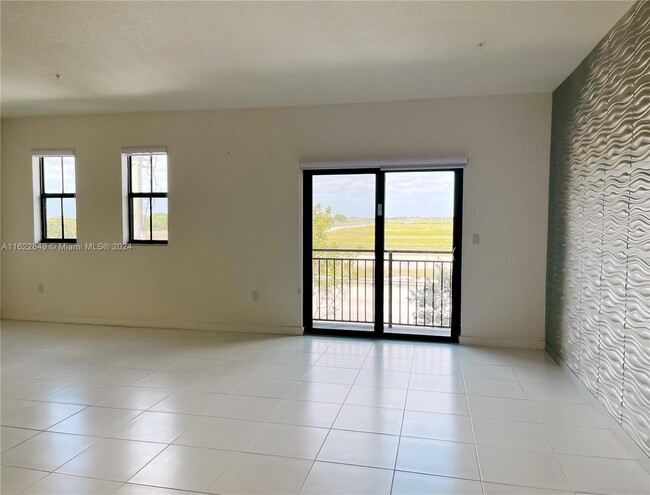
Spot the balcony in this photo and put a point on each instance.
(417, 290)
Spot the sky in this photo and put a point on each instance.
(408, 194)
(52, 172)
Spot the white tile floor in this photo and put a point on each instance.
(103, 410)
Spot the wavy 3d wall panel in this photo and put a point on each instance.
(598, 278)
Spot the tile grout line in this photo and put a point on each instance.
(546, 436)
(471, 424)
(333, 423)
(401, 428)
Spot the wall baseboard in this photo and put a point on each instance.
(608, 420)
(502, 342)
(210, 327)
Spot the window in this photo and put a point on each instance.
(58, 198)
(147, 196)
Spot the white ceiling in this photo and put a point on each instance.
(150, 56)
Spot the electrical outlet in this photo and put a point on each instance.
(41, 288)
(256, 295)
(476, 239)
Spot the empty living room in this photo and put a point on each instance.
(325, 247)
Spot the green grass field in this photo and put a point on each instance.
(426, 234)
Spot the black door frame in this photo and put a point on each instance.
(307, 256)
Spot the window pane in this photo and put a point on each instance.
(69, 218)
(68, 175)
(53, 226)
(159, 219)
(159, 165)
(141, 215)
(52, 174)
(141, 173)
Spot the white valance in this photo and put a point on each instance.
(144, 150)
(392, 164)
(64, 152)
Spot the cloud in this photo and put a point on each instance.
(408, 194)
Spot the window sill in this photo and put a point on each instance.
(148, 243)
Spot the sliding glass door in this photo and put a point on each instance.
(418, 252)
(382, 253)
(343, 251)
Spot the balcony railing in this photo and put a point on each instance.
(417, 287)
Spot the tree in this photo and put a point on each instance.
(322, 222)
(54, 227)
(159, 221)
(432, 300)
(324, 293)
(332, 270)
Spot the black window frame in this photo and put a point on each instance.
(147, 195)
(62, 195)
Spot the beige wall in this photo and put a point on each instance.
(235, 211)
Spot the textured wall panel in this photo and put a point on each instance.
(598, 281)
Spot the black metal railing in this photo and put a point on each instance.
(417, 287)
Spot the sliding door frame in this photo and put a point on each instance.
(307, 257)
(457, 255)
